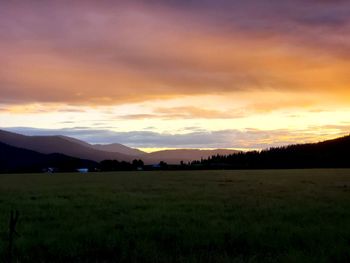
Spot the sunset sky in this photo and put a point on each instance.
(177, 74)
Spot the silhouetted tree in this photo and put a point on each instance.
(137, 163)
(163, 164)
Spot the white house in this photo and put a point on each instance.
(83, 170)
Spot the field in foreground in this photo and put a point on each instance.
(200, 216)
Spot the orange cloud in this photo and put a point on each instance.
(133, 53)
(186, 113)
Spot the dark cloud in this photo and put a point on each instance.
(71, 110)
(137, 116)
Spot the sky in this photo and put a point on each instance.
(177, 74)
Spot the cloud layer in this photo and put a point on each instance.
(113, 52)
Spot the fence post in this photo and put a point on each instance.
(14, 216)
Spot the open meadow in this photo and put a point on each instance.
(180, 216)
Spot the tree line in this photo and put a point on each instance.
(328, 154)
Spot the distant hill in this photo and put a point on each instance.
(59, 144)
(13, 159)
(113, 148)
(185, 155)
(118, 148)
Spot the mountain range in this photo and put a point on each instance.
(14, 159)
(97, 152)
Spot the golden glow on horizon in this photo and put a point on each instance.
(150, 150)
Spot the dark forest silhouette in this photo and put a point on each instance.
(328, 154)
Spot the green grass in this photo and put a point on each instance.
(192, 216)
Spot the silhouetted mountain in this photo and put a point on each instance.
(13, 159)
(112, 148)
(80, 149)
(118, 148)
(327, 154)
(170, 156)
(185, 155)
(59, 144)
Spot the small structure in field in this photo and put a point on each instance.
(83, 170)
(50, 170)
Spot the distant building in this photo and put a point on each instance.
(49, 170)
(83, 170)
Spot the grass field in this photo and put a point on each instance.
(194, 216)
